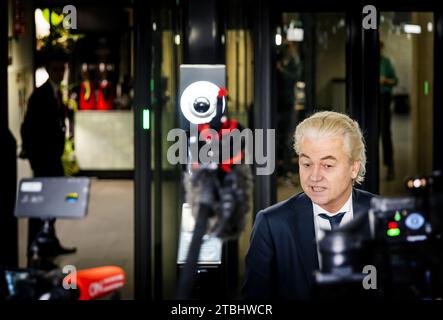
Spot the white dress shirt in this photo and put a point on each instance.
(321, 224)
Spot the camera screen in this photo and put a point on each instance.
(404, 225)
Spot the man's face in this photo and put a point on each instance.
(326, 173)
(56, 70)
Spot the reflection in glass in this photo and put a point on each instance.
(310, 73)
(405, 102)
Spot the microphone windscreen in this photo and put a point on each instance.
(231, 198)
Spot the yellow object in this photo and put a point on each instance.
(87, 90)
(56, 18)
(69, 160)
(73, 195)
(73, 105)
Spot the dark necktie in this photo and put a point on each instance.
(335, 220)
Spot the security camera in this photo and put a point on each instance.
(198, 102)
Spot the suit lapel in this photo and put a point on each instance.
(359, 207)
(305, 235)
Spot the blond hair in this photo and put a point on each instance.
(328, 124)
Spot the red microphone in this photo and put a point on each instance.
(95, 283)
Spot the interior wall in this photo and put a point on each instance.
(330, 59)
(401, 59)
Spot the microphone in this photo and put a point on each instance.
(97, 282)
(224, 188)
(227, 195)
(218, 192)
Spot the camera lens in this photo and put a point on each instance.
(415, 221)
(201, 104)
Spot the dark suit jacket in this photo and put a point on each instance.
(43, 132)
(283, 253)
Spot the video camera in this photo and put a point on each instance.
(404, 249)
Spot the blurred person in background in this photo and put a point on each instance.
(43, 134)
(388, 79)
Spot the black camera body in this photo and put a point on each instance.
(401, 259)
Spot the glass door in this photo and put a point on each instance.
(406, 101)
(310, 73)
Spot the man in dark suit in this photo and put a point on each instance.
(283, 252)
(43, 133)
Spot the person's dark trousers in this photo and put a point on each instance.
(43, 168)
(385, 129)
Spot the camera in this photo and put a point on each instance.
(404, 248)
(217, 183)
(199, 93)
(199, 101)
